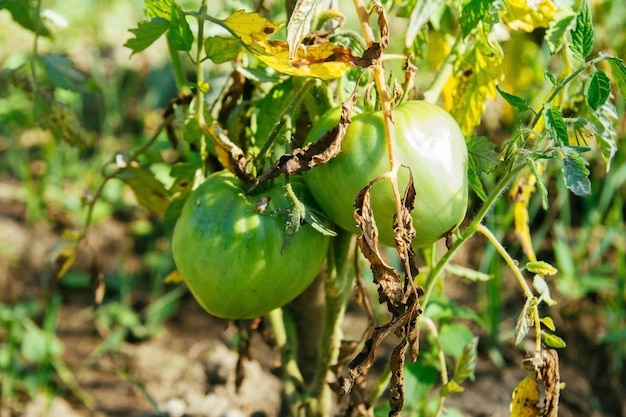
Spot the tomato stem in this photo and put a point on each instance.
(337, 287)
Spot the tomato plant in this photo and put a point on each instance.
(429, 142)
(228, 247)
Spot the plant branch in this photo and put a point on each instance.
(484, 230)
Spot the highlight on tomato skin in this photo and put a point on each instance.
(229, 253)
(428, 141)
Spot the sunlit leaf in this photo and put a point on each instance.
(541, 182)
(300, 23)
(472, 84)
(525, 320)
(324, 60)
(219, 49)
(598, 89)
(173, 277)
(552, 340)
(548, 322)
(618, 71)
(179, 34)
(527, 16)
(559, 28)
(146, 33)
(451, 387)
(421, 13)
(517, 102)
(149, 191)
(582, 35)
(575, 172)
(541, 286)
(525, 398)
(467, 273)
(555, 124)
(473, 12)
(250, 27)
(550, 78)
(541, 268)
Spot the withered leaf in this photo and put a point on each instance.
(383, 24)
(396, 385)
(390, 288)
(313, 154)
(549, 375)
(229, 154)
(404, 232)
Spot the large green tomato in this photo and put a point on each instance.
(229, 253)
(428, 140)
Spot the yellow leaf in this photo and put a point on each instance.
(173, 277)
(472, 84)
(525, 398)
(63, 253)
(324, 60)
(250, 27)
(527, 15)
(520, 193)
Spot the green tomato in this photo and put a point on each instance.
(228, 249)
(428, 140)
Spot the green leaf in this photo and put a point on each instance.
(146, 34)
(552, 340)
(555, 124)
(300, 23)
(582, 35)
(63, 74)
(575, 172)
(560, 26)
(541, 286)
(421, 13)
(453, 337)
(179, 34)
(549, 323)
(482, 154)
(473, 12)
(477, 185)
(541, 183)
(550, 78)
(466, 364)
(518, 103)
(25, 14)
(541, 268)
(219, 49)
(618, 71)
(419, 379)
(451, 387)
(467, 273)
(149, 191)
(525, 320)
(606, 135)
(598, 89)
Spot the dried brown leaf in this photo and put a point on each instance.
(549, 375)
(383, 24)
(315, 153)
(396, 385)
(404, 232)
(390, 288)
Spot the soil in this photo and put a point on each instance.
(188, 368)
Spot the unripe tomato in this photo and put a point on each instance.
(428, 140)
(227, 249)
